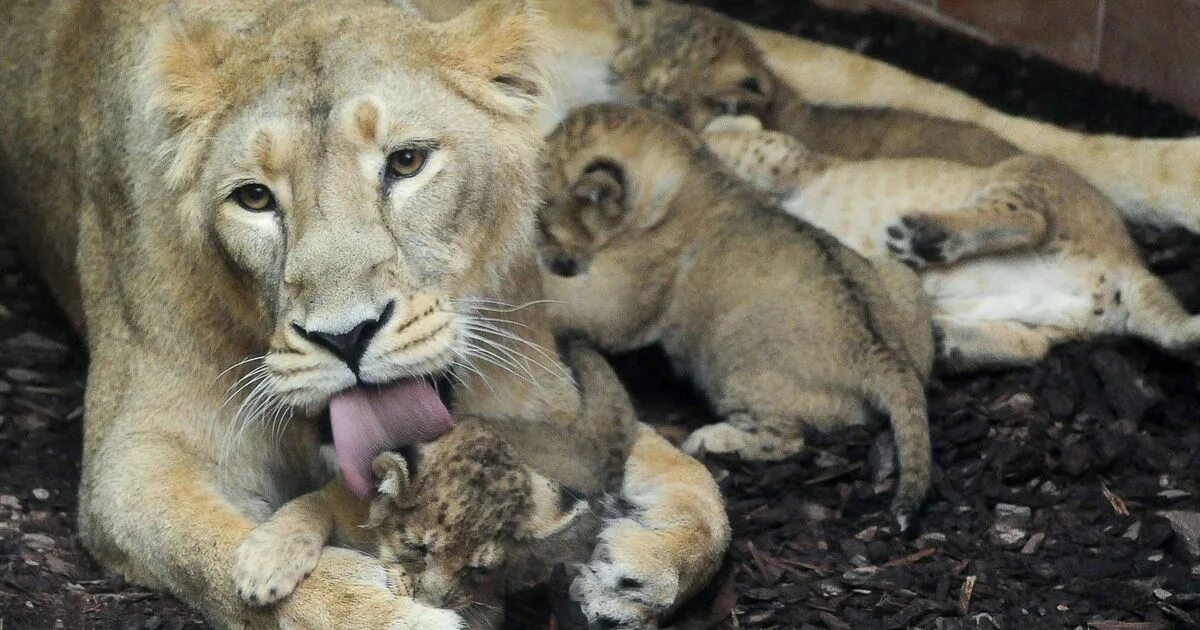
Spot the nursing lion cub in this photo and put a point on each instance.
(695, 64)
(262, 213)
(647, 238)
(1015, 257)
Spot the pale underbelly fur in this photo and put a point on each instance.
(857, 202)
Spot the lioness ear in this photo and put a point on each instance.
(502, 46)
(552, 509)
(184, 61)
(603, 185)
(182, 71)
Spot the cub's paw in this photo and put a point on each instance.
(269, 564)
(724, 438)
(918, 241)
(626, 584)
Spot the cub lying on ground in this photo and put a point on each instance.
(1015, 257)
(468, 517)
(649, 239)
(694, 64)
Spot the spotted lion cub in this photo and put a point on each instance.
(648, 239)
(1015, 257)
(469, 517)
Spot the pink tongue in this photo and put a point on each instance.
(370, 420)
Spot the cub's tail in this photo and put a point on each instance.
(896, 390)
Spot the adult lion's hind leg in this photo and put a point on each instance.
(664, 548)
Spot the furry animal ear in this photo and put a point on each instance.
(392, 471)
(552, 510)
(603, 185)
(498, 52)
(184, 79)
(734, 123)
(185, 61)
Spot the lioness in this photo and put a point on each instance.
(476, 513)
(1154, 181)
(648, 239)
(1015, 257)
(257, 211)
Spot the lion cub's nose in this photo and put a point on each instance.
(350, 345)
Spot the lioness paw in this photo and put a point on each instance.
(269, 565)
(918, 241)
(624, 585)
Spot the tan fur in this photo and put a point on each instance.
(1016, 257)
(126, 126)
(1152, 181)
(683, 253)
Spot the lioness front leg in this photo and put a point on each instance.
(666, 546)
(162, 523)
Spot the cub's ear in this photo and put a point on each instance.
(553, 508)
(734, 123)
(603, 185)
(392, 471)
(499, 49)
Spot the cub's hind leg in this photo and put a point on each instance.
(1003, 217)
(967, 346)
(767, 422)
(1155, 314)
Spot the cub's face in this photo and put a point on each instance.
(361, 186)
(454, 511)
(689, 63)
(581, 215)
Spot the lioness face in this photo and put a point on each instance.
(690, 63)
(362, 185)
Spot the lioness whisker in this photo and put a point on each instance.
(476, 327)
(496, 360)
(239, 364)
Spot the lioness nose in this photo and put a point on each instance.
(349, 345)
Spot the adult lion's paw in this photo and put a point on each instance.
(627, 584)
(270, 563)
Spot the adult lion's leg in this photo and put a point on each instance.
(1154, 181)
(666, 546)
(152, 509)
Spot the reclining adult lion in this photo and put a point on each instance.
(1155, 181)
(256, 210)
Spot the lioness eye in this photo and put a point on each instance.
(406, 162)
(255, 198)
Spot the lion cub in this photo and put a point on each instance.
(648, 238)
(468, 517)
(694, 64)
(1015, 257)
